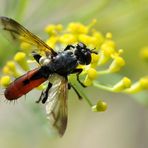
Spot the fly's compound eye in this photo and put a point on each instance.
(87, 58)
(81, 46)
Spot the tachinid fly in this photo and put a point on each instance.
(54, 67)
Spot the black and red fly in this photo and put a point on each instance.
(55, 68)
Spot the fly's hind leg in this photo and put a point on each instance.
(44, 94)
(78, 94)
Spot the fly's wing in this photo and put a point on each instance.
(56, 104)
(20, 34)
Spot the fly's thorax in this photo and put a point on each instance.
(64, 62)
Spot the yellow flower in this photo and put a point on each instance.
(20, 58)
(117, 64)
(142, 84)
(68, 39)
(52, 41)
(77, 28)
(122, 85)
(101, 106)
(53, 29)
(5, 81)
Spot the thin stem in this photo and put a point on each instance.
(79, 89)
(103, 72)
(96, 84)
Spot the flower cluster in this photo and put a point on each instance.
(108, 61)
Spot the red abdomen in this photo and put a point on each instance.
(24, 84)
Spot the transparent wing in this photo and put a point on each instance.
(56, 104)
(16, 32)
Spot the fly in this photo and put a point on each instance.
(54, 67)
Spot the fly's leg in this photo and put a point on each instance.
(44, 94)
(78, 71)
(68, 47)
(69, 87)
(36, 56)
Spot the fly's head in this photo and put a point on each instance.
(83, 54)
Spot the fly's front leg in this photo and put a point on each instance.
(78, 71)
(69, 87)
(68, 47)
(36, 56)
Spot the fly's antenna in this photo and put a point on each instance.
(93, 51)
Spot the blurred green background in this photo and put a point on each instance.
(125, 123)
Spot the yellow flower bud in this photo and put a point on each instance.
(59, 27)
(51, 42)
(6, 70)
(122, 85)
(87, 81)
(53, 29)
(101, 106)
(11, 66)
(68, 39)
(50, 29)
(77, 28)
(99, 38)
(92, 73)
(5, 81)
(86, 39)
(106, 52)
(117, 63)
(20, 58)
(142, 84)
(94, 58)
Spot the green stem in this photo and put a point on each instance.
(96, 84)
(103, 72)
